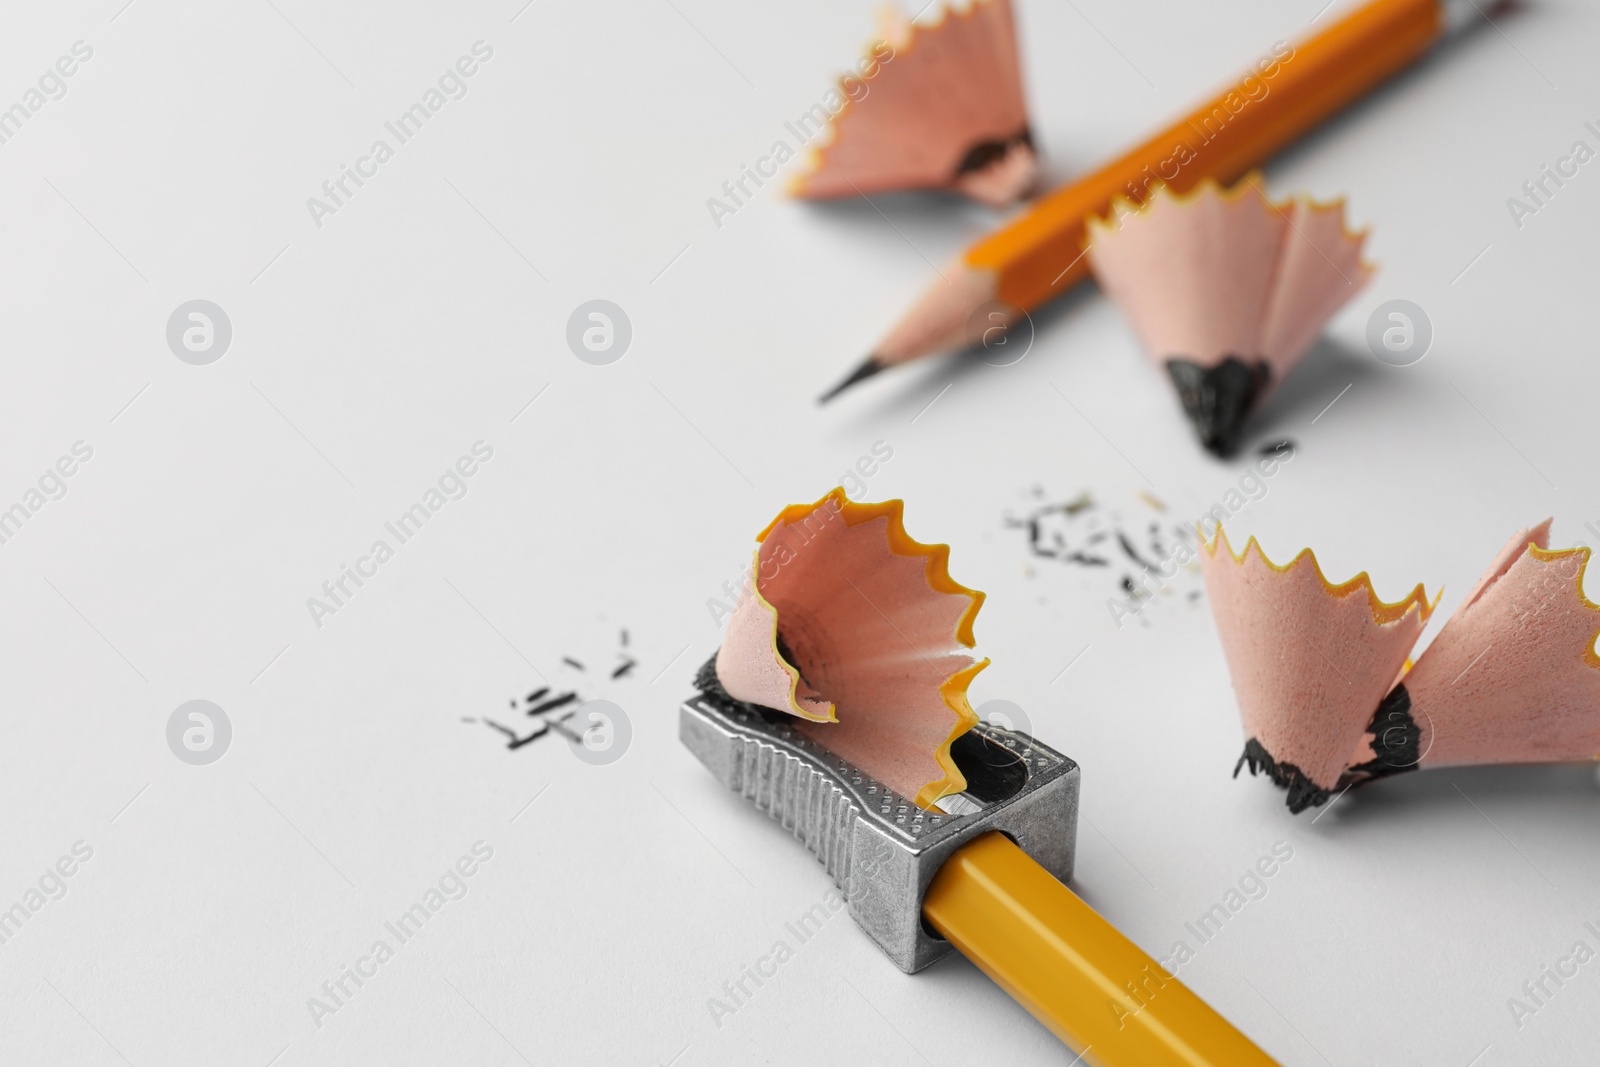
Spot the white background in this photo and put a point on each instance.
(370, 353)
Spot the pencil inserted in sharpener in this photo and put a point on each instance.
(881, 848)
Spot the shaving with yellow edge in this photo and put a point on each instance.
(1226, 290)
(858, 630)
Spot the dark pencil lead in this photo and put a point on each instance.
(531, 737)
(569, 661)
(1303, 792)
(503, 729)
(624, 637)
(538, 694)
(1127, 546)
(860, 374)
(516, 742)
(624, 670)
(1218, 398)
(553, 703)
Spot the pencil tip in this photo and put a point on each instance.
(866, 370)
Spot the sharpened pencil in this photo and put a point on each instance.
(1041, 254)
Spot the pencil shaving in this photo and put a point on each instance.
(1512, 678)
(939, 106)
(1309, 660)
(1227, 290)
(859, 631)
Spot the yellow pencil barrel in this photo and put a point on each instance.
(1070, 968)
(1037, 255)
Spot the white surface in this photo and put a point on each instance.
(406, 328)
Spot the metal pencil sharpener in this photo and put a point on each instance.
(881, 848)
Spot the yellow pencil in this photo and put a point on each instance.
(1041, 253)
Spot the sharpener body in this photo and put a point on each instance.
(880, 848)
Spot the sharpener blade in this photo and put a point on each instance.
(881, 849)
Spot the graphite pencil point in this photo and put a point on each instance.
(866, 370)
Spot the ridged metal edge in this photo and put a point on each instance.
(802, 798)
